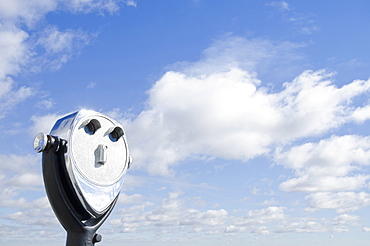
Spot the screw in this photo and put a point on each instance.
(97, 238)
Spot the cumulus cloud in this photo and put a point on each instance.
(346, 219)
(173, 216)
(170, 214)
(310, 183)
(209, 217)
(231, 115)
(173, 213)
(308, 225)
(262, 216)
(325, 166)
(342, 202)
(361, 114)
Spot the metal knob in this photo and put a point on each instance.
(40, 142)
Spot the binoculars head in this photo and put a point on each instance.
(85, 158)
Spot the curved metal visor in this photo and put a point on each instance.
(97, 157)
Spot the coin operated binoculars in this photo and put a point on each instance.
(84, 159)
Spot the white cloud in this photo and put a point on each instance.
(230, 115)
(55, 41)
(14, 45)
(46, 104)
(36, 217)
(43, 123)
(262, 216)
(15, 54)
(25, 180)
(311, 183)
(342, 202)
(269, 202)
(276, 61)
(199, 116)
(274, 220)
(11, 96)
(313, 105)
(175, 217)
(130, 199)
(281, 5)
(346, 219)
(25, 11)
(91, 85)
(131, 3)
(88, 6)
(361, 114)
(59, 47)
(41, 203)
(309, 30)
(19, 174)
(304, 22)
(13, 49)
(21, 39)
(305, 225)
(11, 163)
(7, 199)
(325, 166)
(366, 229)
(173, 214)
(170, 214)
(209, 217)
(31, 11)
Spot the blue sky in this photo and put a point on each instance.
(247, 121)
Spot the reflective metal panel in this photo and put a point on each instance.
(97, 156)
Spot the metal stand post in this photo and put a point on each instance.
(81, 226)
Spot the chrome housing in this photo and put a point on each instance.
(97, 156)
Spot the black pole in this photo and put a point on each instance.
(86, 238)
(80, 225)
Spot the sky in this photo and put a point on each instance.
(247, 121)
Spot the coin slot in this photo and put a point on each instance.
(101, 154)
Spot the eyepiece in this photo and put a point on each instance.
(116, 134)
(92, 126)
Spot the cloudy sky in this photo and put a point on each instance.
(247, 121)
